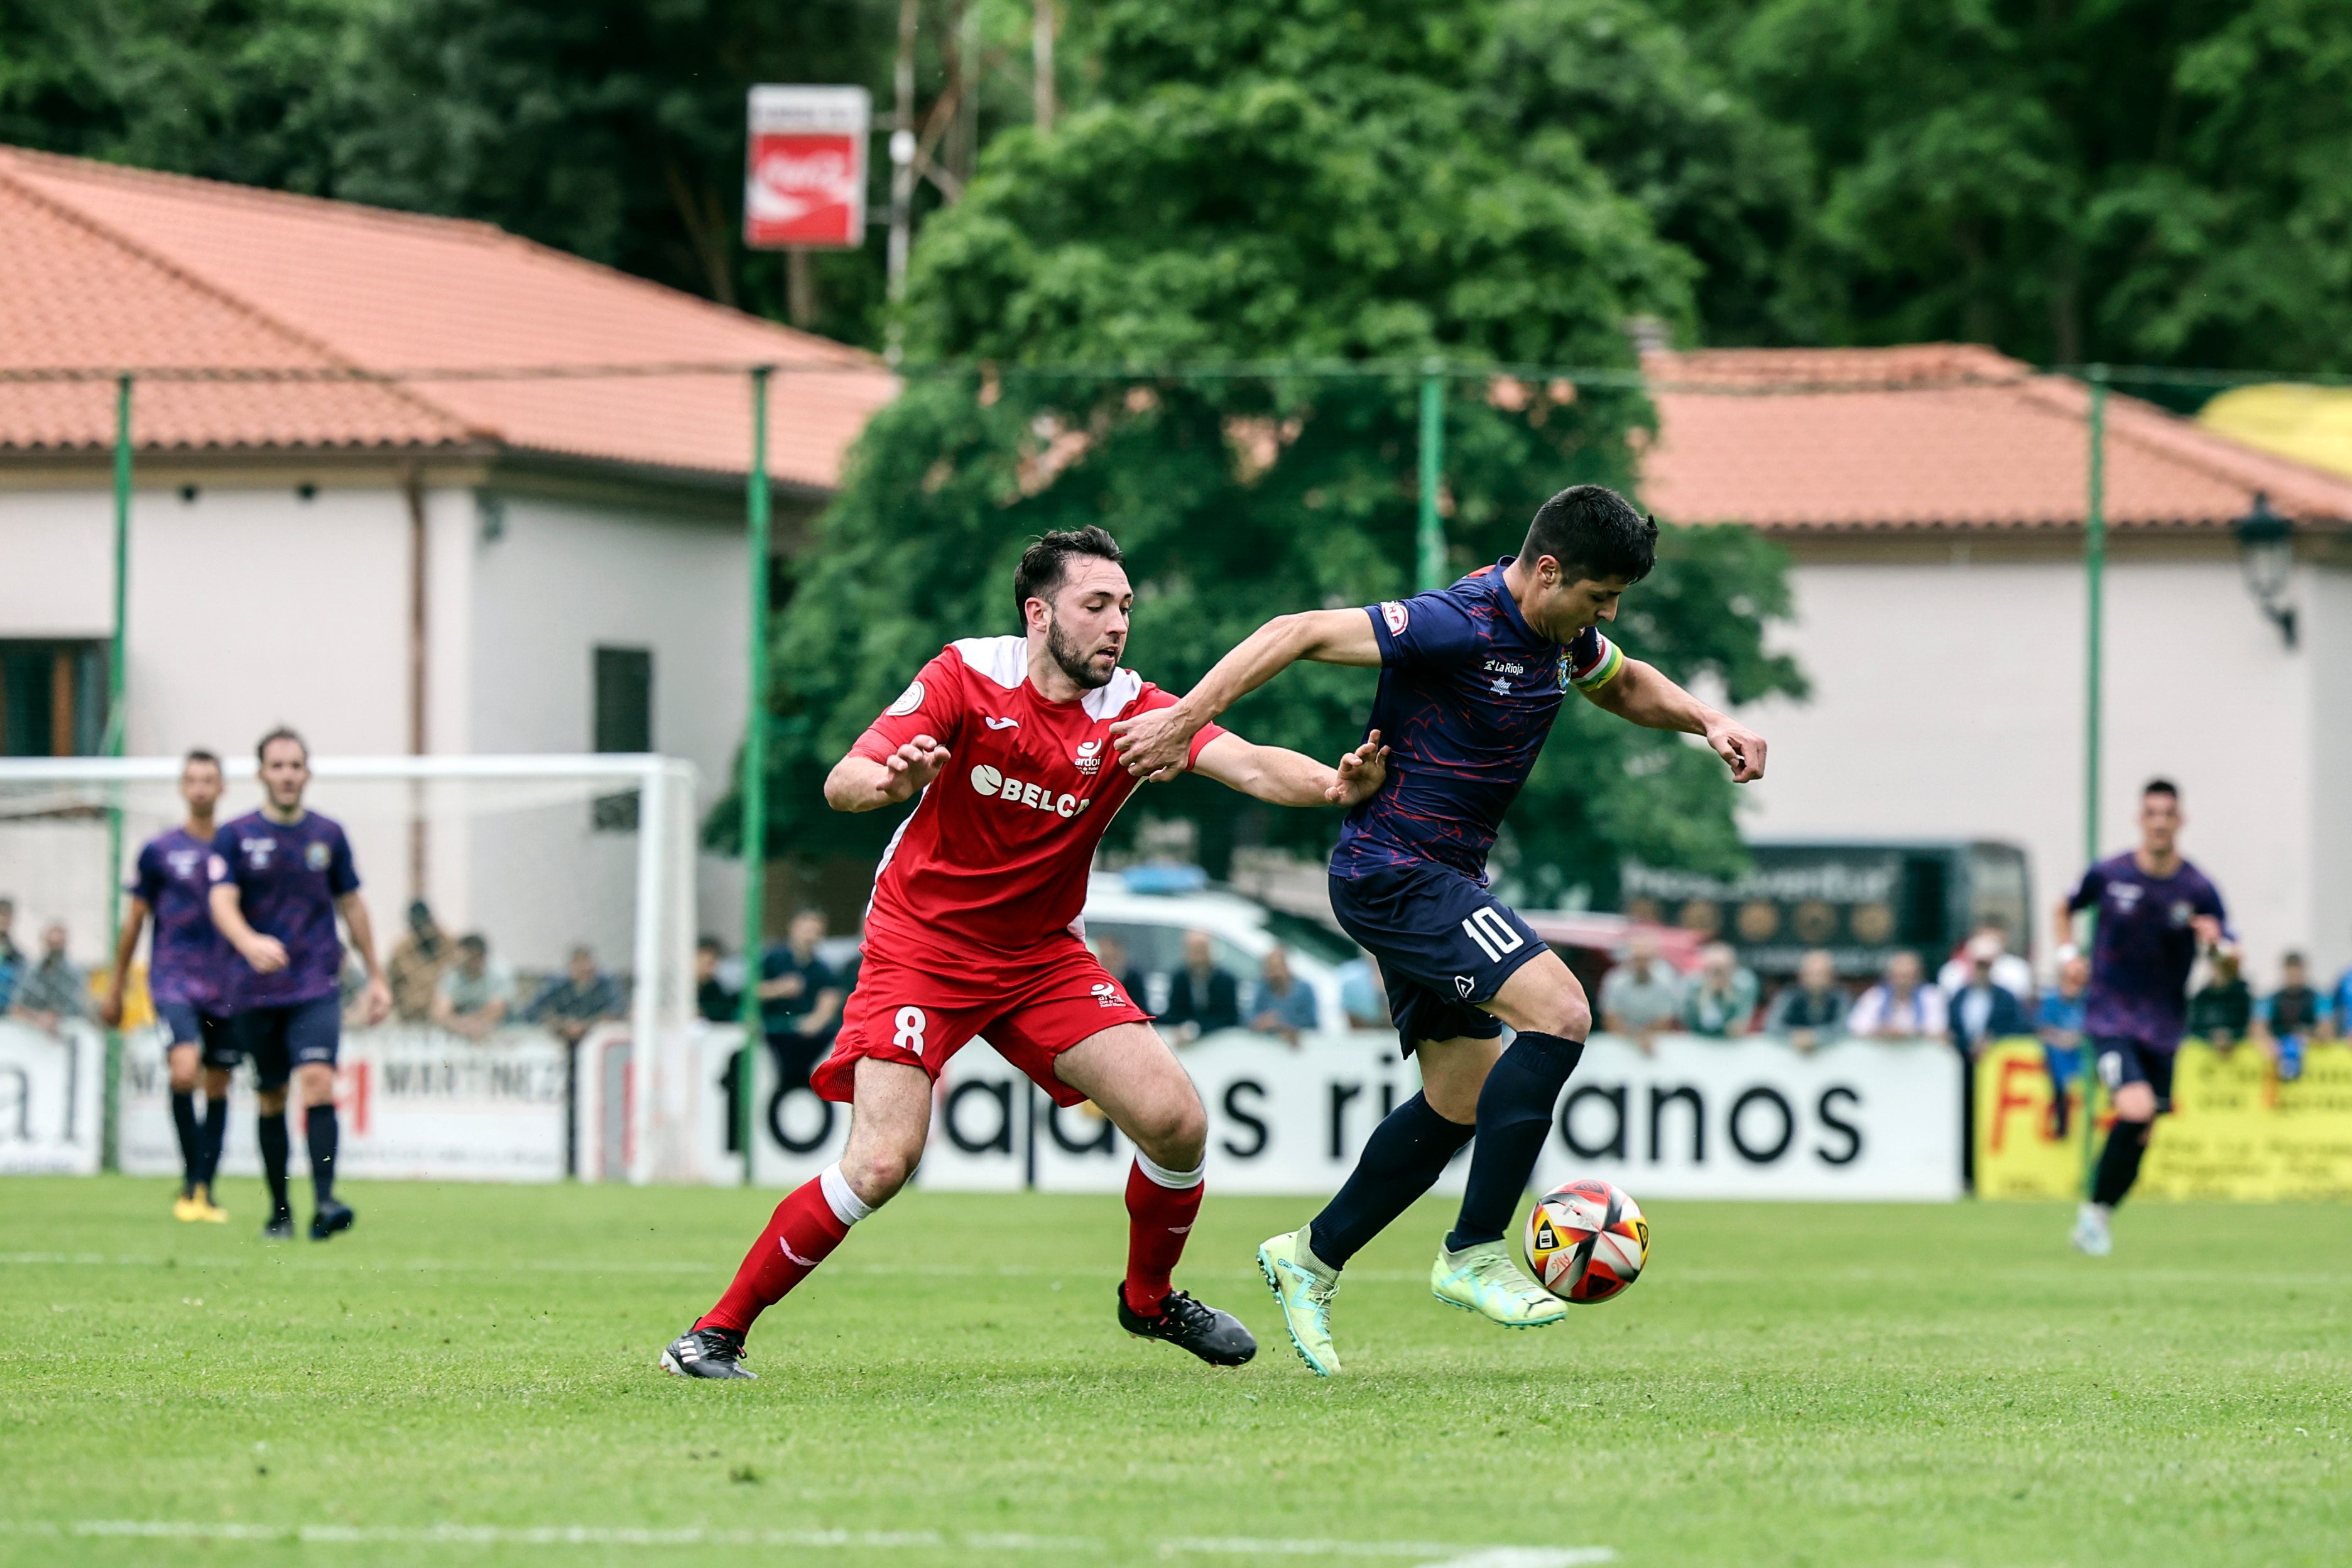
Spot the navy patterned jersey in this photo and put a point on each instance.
(1468, 692)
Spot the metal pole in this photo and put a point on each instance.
(117, 719)
(1431, 538)
(2095, 573)
(754, 785)
(902, 170)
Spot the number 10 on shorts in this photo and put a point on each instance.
(1493, 933)
(912, 1024)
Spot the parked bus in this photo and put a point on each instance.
(1863, 900)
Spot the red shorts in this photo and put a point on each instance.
(1031, 1008)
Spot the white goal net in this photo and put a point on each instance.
(558, 864)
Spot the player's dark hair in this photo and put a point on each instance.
(283, 732)
(2160, 786)
(1046, 564)
(474, 942)
(1593, 532)
(198, 755)
(709, 944)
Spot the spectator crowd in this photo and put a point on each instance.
(1984, 993)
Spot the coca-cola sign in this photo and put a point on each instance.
(804, 175)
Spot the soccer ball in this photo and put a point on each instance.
(1587, 1241)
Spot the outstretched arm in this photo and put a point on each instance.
(1281, 778)
(861, 784)
(1641, 694)
(1152, 745)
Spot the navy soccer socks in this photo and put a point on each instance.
(191, 1138)
(1402, 1160)
(270, 1130)
(323, 1132)
(2119, 1162)
(216, 1130)
(1514, 1119)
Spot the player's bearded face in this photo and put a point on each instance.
(1089, 656)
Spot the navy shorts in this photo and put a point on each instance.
(190, 1026)
(2123, 1060)
(280, 1039)
(1445, 944)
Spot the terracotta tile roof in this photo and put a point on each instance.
(1938, 436)
(102, 266)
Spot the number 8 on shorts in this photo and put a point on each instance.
(912, 1024)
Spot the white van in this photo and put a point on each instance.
(1151, 925)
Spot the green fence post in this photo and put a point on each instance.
(109, 1143)
(2095, 574)
(1430, 554)
(755, 767)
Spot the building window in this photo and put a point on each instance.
(52, 698)
(624, 723)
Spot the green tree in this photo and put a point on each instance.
(1261, 183)
(2166, 181)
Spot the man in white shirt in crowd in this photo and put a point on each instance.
(1641, 996)
(1899, 1007)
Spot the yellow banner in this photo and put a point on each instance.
(2235, 1130)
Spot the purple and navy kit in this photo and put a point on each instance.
(1468, 691)
(2144, 947)
(190, 962)
(287, 875)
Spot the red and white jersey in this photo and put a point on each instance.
(997, 853)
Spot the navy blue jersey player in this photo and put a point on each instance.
(280, 876)
(188, 978)
(1471, 680)
(2155, 912)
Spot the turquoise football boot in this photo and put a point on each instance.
(1484, 1280)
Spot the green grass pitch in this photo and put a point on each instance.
(468, 1378)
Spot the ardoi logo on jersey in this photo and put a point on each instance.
(988, 780)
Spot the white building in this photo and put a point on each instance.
(471, 564)
(1933, 500)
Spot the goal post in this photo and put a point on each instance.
(538, 853)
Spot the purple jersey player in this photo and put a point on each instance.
(1471, 680)
(280, 876)
(188, 975)
(2154, 912)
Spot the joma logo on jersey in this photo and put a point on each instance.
(1021, 791)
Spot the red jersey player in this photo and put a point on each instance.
(975, 931)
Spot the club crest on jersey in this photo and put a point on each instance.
(1088, 757)
(2182, 912)
(315, 857)
(1396, 615)
(908, 700)
(1567, 673)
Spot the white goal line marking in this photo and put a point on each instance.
(1432, 1553)
(365, 1265)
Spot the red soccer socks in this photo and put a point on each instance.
(803, 1232)
(1161, 1205)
